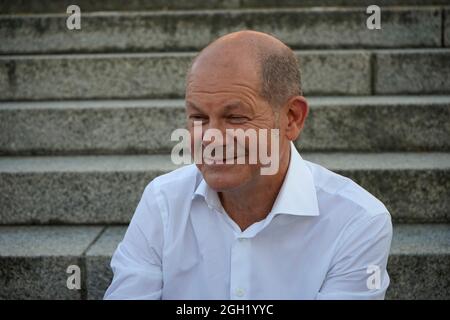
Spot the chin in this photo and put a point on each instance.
(225, 177)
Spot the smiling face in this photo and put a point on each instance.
(223, 92)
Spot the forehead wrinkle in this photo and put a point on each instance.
(226, 106)
(206, 81)
(240, 89)
(246, 100)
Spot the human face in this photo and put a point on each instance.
(228, 99)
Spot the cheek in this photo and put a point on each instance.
(195, 141)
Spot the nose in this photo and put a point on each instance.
(215, 137)
(214, 132)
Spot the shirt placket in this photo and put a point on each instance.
(240, 268)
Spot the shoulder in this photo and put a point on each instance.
(182, 181)
(183, 177)
(354, 218)
(342, 199)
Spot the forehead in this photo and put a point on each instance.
(221, 86)
(221, 97)
(224, 68)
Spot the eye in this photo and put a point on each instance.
(198, 117)
(237, 119)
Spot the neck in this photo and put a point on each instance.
(254, 201)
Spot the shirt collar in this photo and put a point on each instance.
(297, 195)
(211, 197)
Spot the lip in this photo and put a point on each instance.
(222, 163)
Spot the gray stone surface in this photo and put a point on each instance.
(114, 57)
(106, 189)
(34, 260)
(377, 124)
(421, 239)
(447, 28)
(340, 72)
(158, 75)
(192, 30)
(75, 190)
(419, 71)
(413, 186)
(390, 161)
(94, 76)
(44, 6)
(102, 127)
(419, 262)
(46, 241)
(145, 126)
(362, 3)
(98, 259)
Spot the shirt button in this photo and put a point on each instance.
(240, 292)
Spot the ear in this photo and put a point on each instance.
(296, 111)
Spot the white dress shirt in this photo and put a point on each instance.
(325, 238)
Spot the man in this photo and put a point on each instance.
(226, 231)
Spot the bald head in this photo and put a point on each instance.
(261, 57)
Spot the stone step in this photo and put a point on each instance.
(419, 262)
(75, 190)
(106, 189)
(300, 28)
(366, 123)
(43, 6)
(34, 260)
(156, 75)
(411, 72)
(162, 75)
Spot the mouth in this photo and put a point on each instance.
(224, 161)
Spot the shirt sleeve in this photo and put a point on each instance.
(137, 263)
(358, 270)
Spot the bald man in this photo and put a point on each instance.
(222, 230)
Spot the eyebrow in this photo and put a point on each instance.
(228, 107)
(192, 105)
